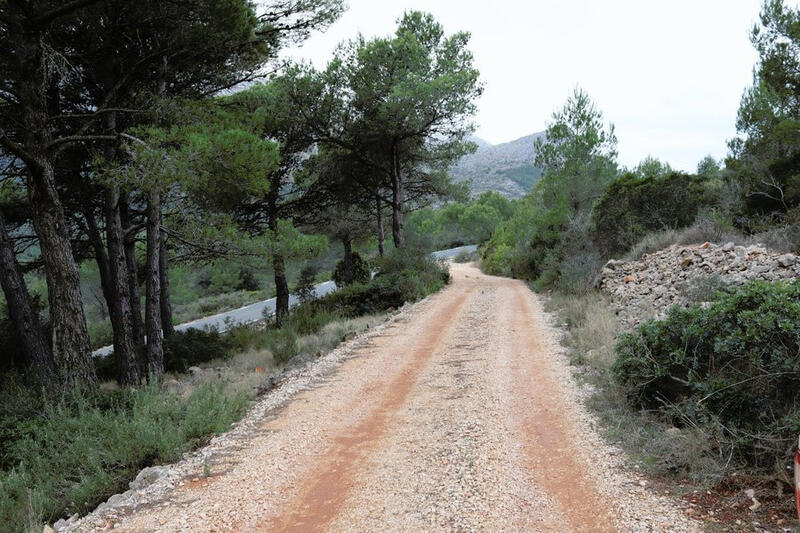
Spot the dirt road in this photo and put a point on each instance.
(461, 415)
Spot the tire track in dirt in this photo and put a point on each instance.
(323, 494)
(556, 455)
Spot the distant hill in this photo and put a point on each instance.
(506, 168)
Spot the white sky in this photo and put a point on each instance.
(668, 73)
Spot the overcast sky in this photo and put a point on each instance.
(668, 73)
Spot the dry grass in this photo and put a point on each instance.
(657, 448)
(592, 327)
(779, 239)
(245, 371)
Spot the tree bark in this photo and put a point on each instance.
(397, 203)
(38, 357)
(71, 349)
(278, 261)
(72, 354)
(281, 289)
(166, 304)
(100, 257)
(381, 234)
(120, 304)
(133, 275)
(155, 351)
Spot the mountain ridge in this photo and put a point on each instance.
(507, 168)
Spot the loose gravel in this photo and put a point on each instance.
(458, 414)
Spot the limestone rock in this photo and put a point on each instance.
(684, 275)
(148, 476)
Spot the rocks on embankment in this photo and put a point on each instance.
(684, 275)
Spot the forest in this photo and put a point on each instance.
(162, 161)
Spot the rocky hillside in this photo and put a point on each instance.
(506, 168)
(647, 288)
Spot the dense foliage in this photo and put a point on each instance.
(545, 238)
(458, 223)
(400, 278)
(633, 206)
(733, 365)
(351, 270)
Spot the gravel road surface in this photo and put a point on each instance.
(460, 414)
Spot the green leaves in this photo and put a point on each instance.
(766, 155)
(546, 238)
(736, 361)
(227, 167)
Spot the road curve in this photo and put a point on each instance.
(460, 415)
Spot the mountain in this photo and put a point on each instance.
(506, 168)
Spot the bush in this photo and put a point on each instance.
(633, 206)
(309, 318)
(67, 456)
(357, 272)
(283, 343)
(192, 347)
(402, 277)
(247, 280)
(733, 367)
(305, 283)
(709, 226)
(182, 350)
(651, 442)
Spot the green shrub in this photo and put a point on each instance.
(734, 366)
(247, 280)
(309, 318)
(357, 272)
(184, 349)
(402, 277)
(304, 289)
(283, 344)
(69, 455)
(633, 206)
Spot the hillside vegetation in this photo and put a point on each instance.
(693, 343)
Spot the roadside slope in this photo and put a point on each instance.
(459, 415)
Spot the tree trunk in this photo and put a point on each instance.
(100, 257)
(166, 303)
(381, 234)
(38, 357)
(281, 289)
(278, 261)
(71, 349)
(155, 352)
(133, 275)
(120, 305)
(397, 204)
(72, 354)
